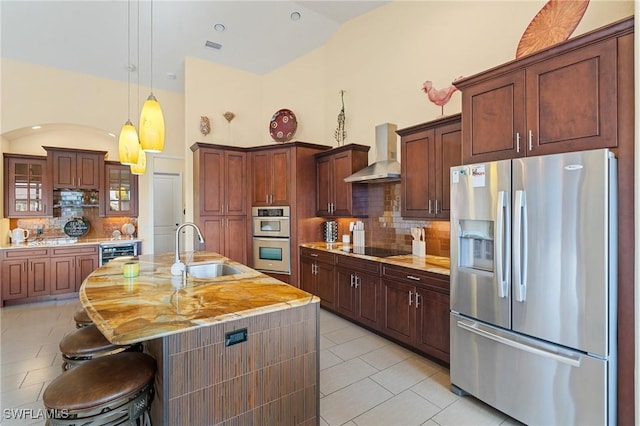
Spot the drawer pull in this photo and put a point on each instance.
(313, 255)
(412, 277)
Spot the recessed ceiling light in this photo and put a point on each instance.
(219, 27)
(171, 75)
(295, 16)
(213, 45)
(36, 127)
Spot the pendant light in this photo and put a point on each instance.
(151, 118)
(141, 166)
(128, 144)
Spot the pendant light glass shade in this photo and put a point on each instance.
(141, 166)
(128, 144)
(151, 125)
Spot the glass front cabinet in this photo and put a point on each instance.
(121, 195)
(27, 186)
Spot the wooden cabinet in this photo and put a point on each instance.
(334, 196)
(561, 99)
(70, 266)
(220, 199)
(75, 169)
(220, 179)
(358, 290)
(416, 309)
(317, 275)
(120, 193)
(270, 181)
(27, 190)
(428, 151)
(25, 273)
(226, 235)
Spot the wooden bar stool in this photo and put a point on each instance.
(87, 343)
(82, 318)
(110, 390)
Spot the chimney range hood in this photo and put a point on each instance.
(386, 168)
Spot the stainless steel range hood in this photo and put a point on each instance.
(386, 168)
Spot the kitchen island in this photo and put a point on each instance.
(241, 348)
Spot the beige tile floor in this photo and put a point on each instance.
(364, 378)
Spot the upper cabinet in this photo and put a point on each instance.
(561, 99)
(120, 194)
(428, 151)
(220, 178)
(27, 192)
(270, 184)
(334, 196)
(75, 169)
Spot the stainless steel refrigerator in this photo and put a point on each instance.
(533, 286)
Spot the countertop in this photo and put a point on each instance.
(434, 264)
(57, 242)
(152, 305)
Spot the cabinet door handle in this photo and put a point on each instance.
(530, 140)
(429, 206)
(436, 207)
(410, 296)
(357, 281)
(351, 283)
(517, 141)
(417, 299)
(412, 277)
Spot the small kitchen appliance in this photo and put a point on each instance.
(19, 235)
(330, 231)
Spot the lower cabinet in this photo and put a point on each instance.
(405, 304)
(31, 273)
(358, 290)
(226, 235)
(416, 309)
(25, 273)
(70, 266)
(317, 275)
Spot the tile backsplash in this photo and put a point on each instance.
(384, 225)
(69, 205)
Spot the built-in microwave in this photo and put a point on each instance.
(271, 222)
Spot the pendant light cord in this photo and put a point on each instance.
(151, 54)
(129, 60)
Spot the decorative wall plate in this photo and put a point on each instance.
(283, 125)
(553, 24)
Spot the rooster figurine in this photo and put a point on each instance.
(439, 97)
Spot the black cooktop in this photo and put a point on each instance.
(380, 251)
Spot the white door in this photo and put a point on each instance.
(167, 210)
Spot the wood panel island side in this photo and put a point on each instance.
(234, 349)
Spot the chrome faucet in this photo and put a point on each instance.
(178, 267)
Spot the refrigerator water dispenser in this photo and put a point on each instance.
(476, 244)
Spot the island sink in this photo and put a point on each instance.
(211, 270)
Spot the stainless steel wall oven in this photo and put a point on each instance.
(271, 239)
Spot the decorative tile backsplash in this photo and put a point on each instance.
(69, 205)
(384, 225)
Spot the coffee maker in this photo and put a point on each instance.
(330, 231)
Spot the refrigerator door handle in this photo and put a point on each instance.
(475, 328)
(520, 246)
(503, 248)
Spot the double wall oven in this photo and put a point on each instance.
(271, 239)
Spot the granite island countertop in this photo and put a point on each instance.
(154, 304)
(434, 264)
